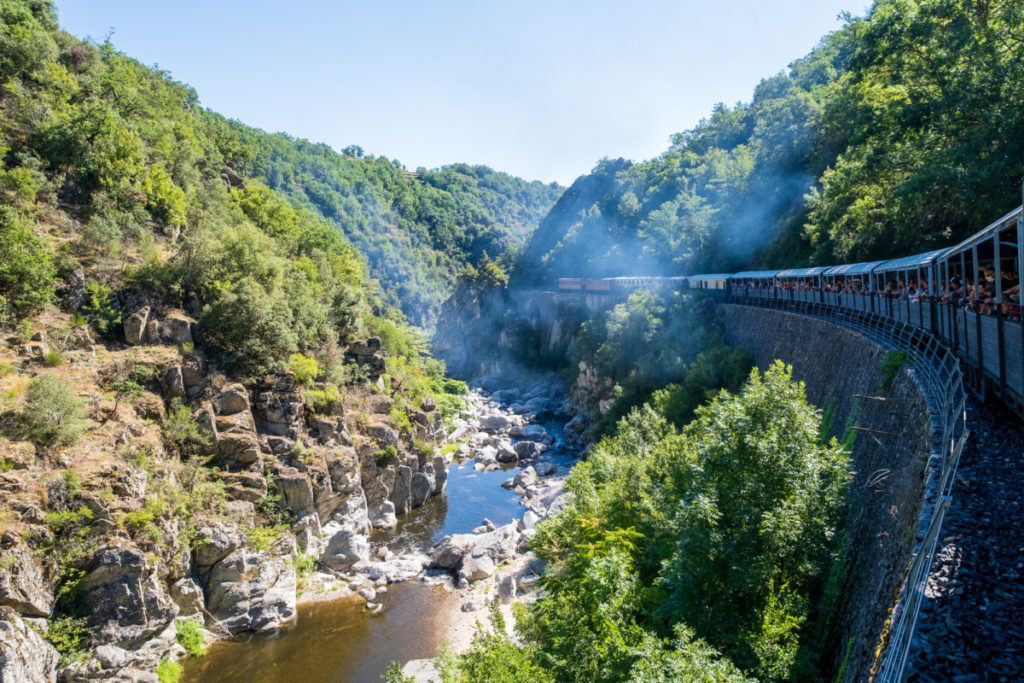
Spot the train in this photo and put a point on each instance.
(621, 284)
(966, 295)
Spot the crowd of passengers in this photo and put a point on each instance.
(966, 295)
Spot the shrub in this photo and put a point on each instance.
(304, 368)
(304, 565)
(422, 448)
(52, 359)
(394, 674)
(183, 435)
(103, 234)
(890, 367)
(255, 328)
(324, 401)
(72, 482)
(142, 522)
(101, 312)
(128, 388)
(301, 451)
(52, 414)
(168, 671)
(69, 636)
(20, 186)
(385, 456)
(190, 636)
(262, 538)
(26, 265)
(400, 418)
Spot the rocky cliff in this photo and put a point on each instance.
(189, 495)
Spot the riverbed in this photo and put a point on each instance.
(340, 640)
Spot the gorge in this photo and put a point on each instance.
(270, 410)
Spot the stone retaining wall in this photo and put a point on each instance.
(836, 364)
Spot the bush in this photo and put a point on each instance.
(26, 265)
(5, 312)
(142, 522)
(324, 401)
(52, 359)
(168, 671)
(890, 367)
(385, 456)
(422, 449)
(394, 674)
(69, 636)
(52, 414)
(101, 312)
(253, 327)
(183, 435)
(304, 368)
(190, 636)
(103, 234)
(304, 565)
(262, 538)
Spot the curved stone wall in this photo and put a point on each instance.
(837, 366)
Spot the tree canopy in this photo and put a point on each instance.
(898, 133)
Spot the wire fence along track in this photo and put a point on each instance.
(937, 371)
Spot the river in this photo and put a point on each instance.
(340, 641)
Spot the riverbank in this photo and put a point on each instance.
(433, 576)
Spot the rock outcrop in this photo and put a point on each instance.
(22, 585)
(24, 655)
(251, 591)
(126, 598)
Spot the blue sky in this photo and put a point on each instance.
(538, 89)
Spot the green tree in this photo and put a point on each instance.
(255, 328)
(52, 414)
(26, 266)
(756, 522)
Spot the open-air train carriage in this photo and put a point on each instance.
(714, 282)
(967, 295)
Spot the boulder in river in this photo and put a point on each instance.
(440, 474)
(506, 453)
(488, 455)
(344, 548)
(448, 553)
(529, 432)
(421, 487)
(526, 478)
(494, 423)
(383, 516)
(528, 449)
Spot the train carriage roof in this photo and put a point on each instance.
(754, 275)
(854, 268)
(911, 262)
(803, 272)
(709, 276)
(989, 232)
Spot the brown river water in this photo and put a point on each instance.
(339, 641)
(334, 642)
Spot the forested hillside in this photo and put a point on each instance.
(900, 132)
(183, 354)
(417, 230)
